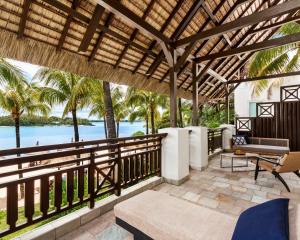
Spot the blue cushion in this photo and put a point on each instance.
(266, 221)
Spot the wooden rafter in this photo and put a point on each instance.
(176, 34)
(293, 38)
(64, 33)
(134, 33)
(101, 36)
(254, 18)
(163, 28)
(116, 7)
(91, 29)
(23, 19)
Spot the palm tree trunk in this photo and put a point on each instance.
(110, 119)
(118, 127)
(147, 125)
(75, 125)
(18, 144)
(105, 126)
(180, 113)
(152, 120)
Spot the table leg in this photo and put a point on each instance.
(232, 164)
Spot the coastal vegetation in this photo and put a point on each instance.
(27, 120)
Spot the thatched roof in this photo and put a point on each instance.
(52, 32)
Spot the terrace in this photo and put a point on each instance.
(195, 50)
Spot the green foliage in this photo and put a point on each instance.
(27, 120)
(280, 59)
(214, 116)
(138, 133)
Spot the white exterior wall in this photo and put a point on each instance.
(243, 96)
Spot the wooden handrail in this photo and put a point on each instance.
(99, 167)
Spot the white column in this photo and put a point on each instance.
(175, 155)
(198, 147)
(227, 136)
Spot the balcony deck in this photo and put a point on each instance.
(215, 188)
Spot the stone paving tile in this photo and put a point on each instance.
(190, 196)
(208, 202)
(214, 188)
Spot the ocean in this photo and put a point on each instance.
(61, 134)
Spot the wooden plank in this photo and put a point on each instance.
(91, 29)
(23, 18)
(276, 42)
(195, 115)
(254, 18)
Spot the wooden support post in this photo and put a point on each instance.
(173, 92)
(195, 96)
(173, 100)
(226, 104)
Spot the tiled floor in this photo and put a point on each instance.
(215, 188)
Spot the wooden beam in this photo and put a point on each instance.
(101, 36)
(293, 38)
(276, 25)
(238, 42)
(240, 2)
(23, 18)
(176, 34)
(190, 47)
(64, 33)
(272, 76)
(163, 28)
(119, 9)
(91, 29)
(254, 18)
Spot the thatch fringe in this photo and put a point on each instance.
(39, 53)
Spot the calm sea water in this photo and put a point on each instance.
(61, 134)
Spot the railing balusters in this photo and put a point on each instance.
(80, 181)
(44, 195)
(29, 200)
(91, 180)
(12, 206)
(58, 191)
(108, 167)
(70, 187)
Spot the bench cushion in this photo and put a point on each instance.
(164, 217)
(264, 149)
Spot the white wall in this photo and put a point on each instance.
(243, 96)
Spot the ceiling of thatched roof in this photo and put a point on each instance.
(85, 38)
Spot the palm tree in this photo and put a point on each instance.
(109, 111)
(276, 60)
(120, 109)
(98, 107)
(66, 88)
(17, 99)
(145, 104)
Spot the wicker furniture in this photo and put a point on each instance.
(267, 146)
(246, 157)
(289, 163)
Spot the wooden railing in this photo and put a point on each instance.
(56, 178)
(214, 136)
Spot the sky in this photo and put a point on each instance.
(29, 71)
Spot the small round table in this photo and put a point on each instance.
(233, 156)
